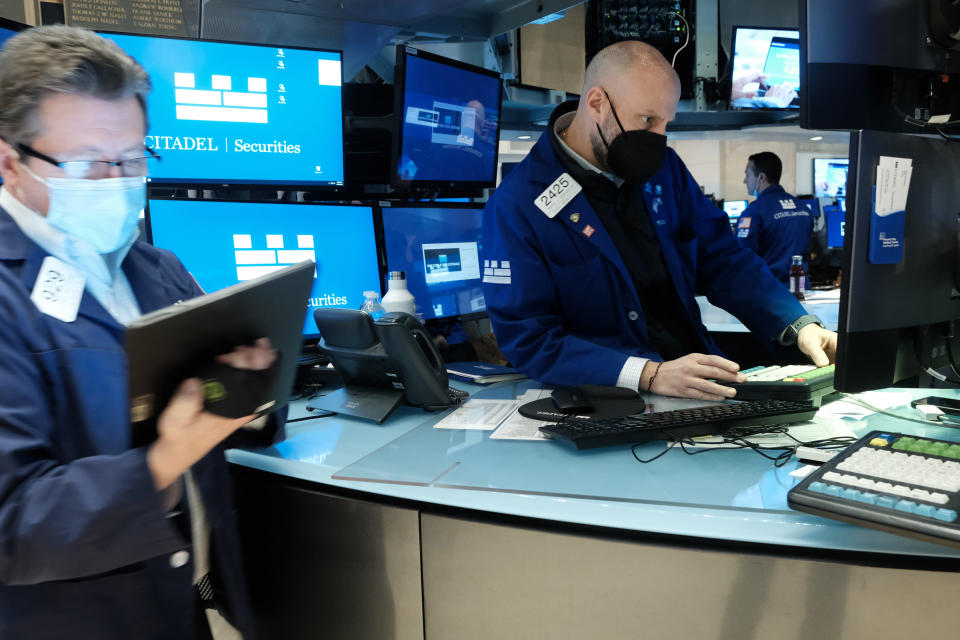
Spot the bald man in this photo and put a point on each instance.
(596, 244)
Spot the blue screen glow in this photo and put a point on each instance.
(222, 243)
(836, 226)
(241, 114)
(439, 248)
(450, 123)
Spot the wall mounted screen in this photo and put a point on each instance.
(766, 69)
(830, 177)
(223, 113)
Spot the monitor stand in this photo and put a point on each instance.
(360, 402)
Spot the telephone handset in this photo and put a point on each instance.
(383, 362)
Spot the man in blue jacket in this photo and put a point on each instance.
(597, 243)
(775, 225)
(98, 540)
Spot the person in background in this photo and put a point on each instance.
(99, 540)
(776, 226)
(596, 244)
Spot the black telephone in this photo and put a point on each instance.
(383, 362)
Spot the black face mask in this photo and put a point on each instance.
(634, 155)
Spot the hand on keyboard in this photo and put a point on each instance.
(692, 376)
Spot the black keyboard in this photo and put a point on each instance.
(889, 481)
(679, 424)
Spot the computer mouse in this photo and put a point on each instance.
(571, 400)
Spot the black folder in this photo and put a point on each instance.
(178, 342)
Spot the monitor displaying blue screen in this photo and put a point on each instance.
(766, 69)
(830, 177)
(835, 220)
(812, 204)
(439, 248)
(224, 113)
(733, 208)
(223, 243)
(450, 117)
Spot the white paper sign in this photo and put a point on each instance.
(58, 289)
(558, 195)
(893, 184)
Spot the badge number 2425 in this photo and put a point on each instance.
(557, 195)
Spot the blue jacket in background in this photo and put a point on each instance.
(562, 303)
(86, 548)
(777, 227)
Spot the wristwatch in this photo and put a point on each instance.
(790, 334)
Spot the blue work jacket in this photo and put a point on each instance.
(561, 300)
(86, 548)
(777, 227)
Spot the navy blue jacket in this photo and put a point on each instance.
(562, 303)
(777, 226)
(85, 544)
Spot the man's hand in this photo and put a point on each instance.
(692, 377)
(818, 344)
(737, 87)
(185, 432)
(781, 95)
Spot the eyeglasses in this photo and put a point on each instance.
(96, 169)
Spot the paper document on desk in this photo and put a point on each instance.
(518, 427)
(816, 429)
(478, 414)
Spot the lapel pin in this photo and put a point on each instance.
(574, 218)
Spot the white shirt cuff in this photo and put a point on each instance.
(630, 374)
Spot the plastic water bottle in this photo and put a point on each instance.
(398, 297)
(371, 304)
(798, 277)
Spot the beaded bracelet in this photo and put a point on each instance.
(654, 377)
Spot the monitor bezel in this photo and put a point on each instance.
(382, 242)
(372, 206)
(728, 85)
(13, 25)
(322, 187)
(399, 99)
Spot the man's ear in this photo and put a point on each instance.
(9, 158)
(595, 100)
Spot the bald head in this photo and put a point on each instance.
(621, 64)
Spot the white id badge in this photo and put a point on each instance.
(558, 195)
(58, 289)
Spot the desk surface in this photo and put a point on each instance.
(824, 304)
(733, 495)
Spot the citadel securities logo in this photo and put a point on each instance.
(253, 263)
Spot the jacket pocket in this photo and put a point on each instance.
(588, 302)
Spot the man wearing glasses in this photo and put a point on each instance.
(98, 539)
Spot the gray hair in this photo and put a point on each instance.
(38, 63)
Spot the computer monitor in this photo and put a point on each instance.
(765, 68)
(899, 317)
(836, 225)
(439, 248)
(242, 114)
(448, 122)
(812, 205)
(733, 208)
(830, 177)
(222, 243)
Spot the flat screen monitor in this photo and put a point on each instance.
(242, 114)
(733, 208)
(439, 248)
(448, 122)
(836, 226)
(812, 205)
(830, 177)
(899, 301)
(766, 68)
(222, 243)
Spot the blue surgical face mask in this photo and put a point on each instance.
(103, 212)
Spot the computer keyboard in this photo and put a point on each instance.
(889, 481)
(678, 424)
(789, 382)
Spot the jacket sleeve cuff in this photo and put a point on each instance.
(630, 374)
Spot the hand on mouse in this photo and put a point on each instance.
(692, 376)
